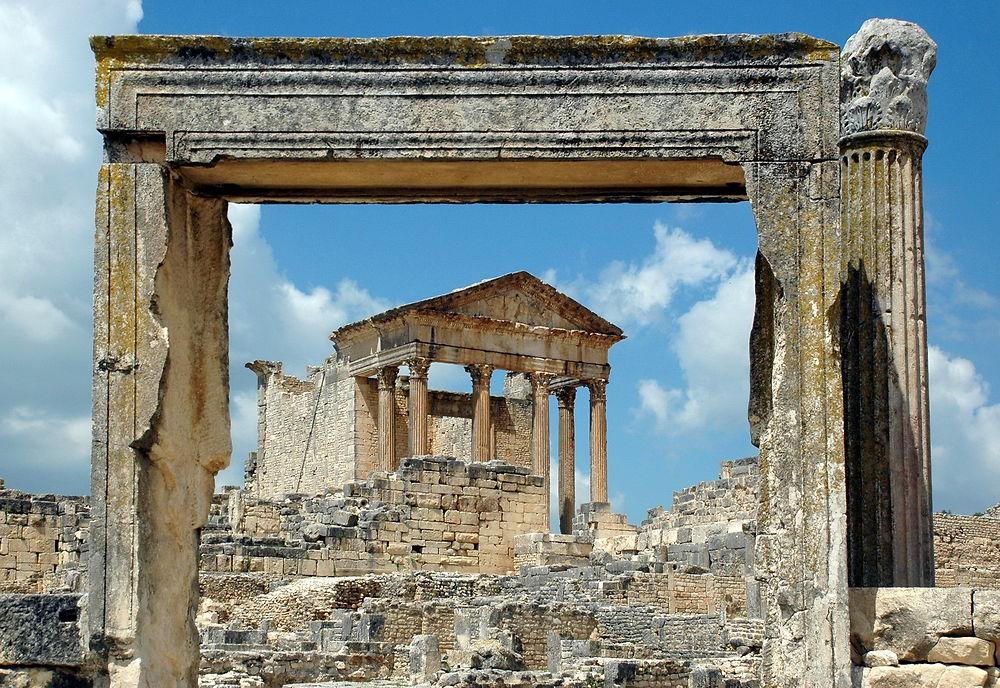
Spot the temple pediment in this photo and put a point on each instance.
(514, 322)
(518, 297)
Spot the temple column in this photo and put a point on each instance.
(598, 440)
(883, 337)
(387, 418)
(540, 430)
(566, 399)
(417, 405)
(481, 374)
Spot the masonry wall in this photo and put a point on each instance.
(305, 431)
(434, 514)
(321, 432)
(43, 542)
(966, 551)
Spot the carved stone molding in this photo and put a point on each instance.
(566, 397)
(480, 373)
(418, 367)
(540, 382)
(598, 390)
(387, 377)
(884, 70)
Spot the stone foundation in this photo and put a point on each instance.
(916, 637)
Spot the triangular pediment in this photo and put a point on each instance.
(523, 298)
(517, 297)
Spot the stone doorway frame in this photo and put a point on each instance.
(191, 123)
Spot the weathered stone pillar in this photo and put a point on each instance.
(418, 405)
(540, 431)
(566, 400)
(481, 374)
(883, 337)
(387, 418)
(160, 419)
(598, 440)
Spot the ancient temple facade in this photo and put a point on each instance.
(358, 413)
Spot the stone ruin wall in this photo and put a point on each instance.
(43, 541)
(967, 550)
(666, 604)
(321, 432)
(434, 514)
(709, 528)
(925, 637)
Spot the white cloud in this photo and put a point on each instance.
(272, 318)
(712, 348)
(51, 152)
(640, 292)
(965, 435)
(57, 446)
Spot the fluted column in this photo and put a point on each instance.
(387, 418)
(598, 440)
(566, 400)
(883, 336)
(417, 405)
(481, 374)
(540, 430)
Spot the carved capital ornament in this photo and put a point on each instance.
(884, 71)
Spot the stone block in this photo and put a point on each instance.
(924, 676)
(879, 658)
(972, 651)
(909, 621)
(40, 629)
(986, 615)
(425, 658)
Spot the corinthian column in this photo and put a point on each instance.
(540, 430)
(598, 440)
(883, 338)
(566, 399)
(481, 374)
(387, 418)
(418, 405)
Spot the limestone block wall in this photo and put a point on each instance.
(699, 511)
(966, 551)
(43, 542)
(305, 431)
(321, 432)
(433, 514)
(924, 637)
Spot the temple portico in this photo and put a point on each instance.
(514, 323)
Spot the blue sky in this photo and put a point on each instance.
(677, 278)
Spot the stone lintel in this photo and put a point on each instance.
(466, 51)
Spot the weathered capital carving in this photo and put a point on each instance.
(598, 390)
(419, 367)
(387, 377)
(480, 373)
(884, 71)
(566, 397)
(540, 382)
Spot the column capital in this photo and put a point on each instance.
(884, 69)
(540, 381)
(598, 390)
(387, 377)
(419, 367)
(566, 397)
(480, 373)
